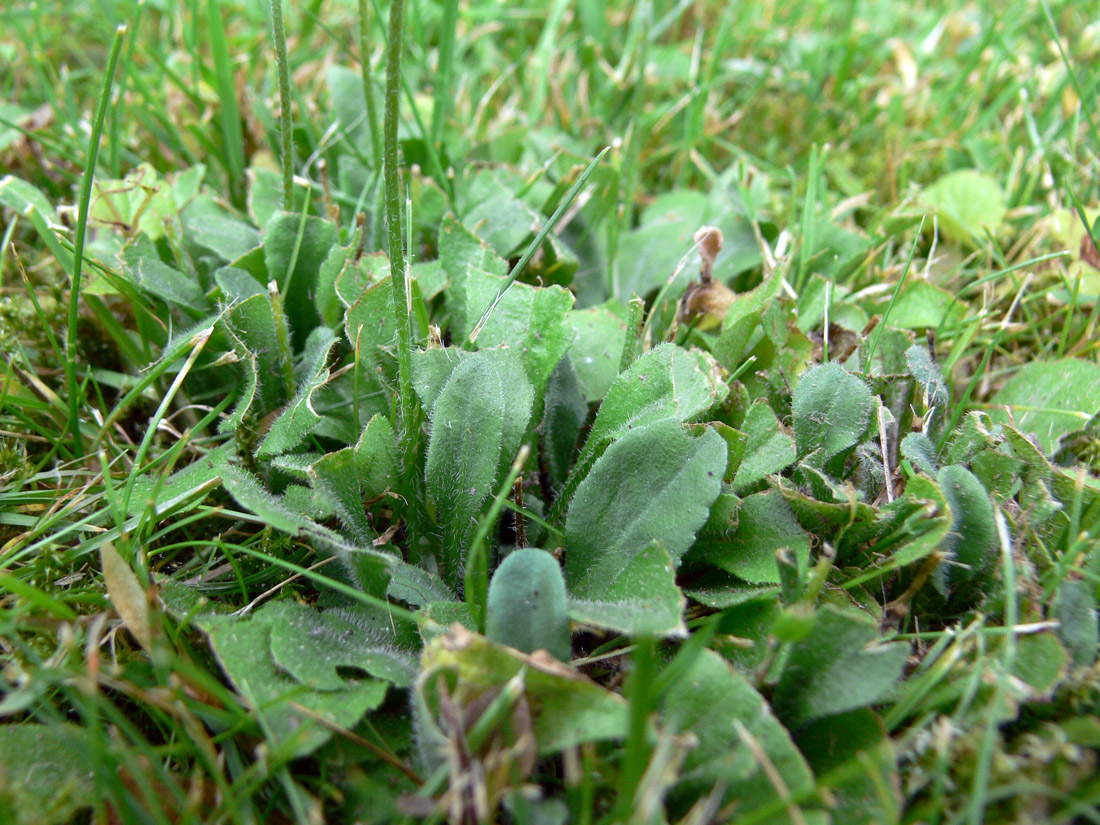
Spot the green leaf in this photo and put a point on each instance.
(376, 451)
(839, 667)
(369, 322)
(350, 477)
(323, 650)
(355, 279)
(831, 410)
(46, 773)
(243, 649)
(157, 493)
(764, 524)
(416, 586)
(25, 199)
(443, 615)
(1049, 398)
(767, 450)
(666, 382)
(568, 708)
(432, 370)
(836, 252)
(973, 535)
(971, 437)
(215, 229)
(1041, 663)
(649, 254)
(656, 483)
(493, 213)
(460, 250)
(966, 203)
(330, 305)
(856, 744)
(349, 104)
(143, 267)
(299, 418)
(528, 319)
(139, 202)
(923, 305)
(730, 721)
(935, 396)
(643, 600)
(565, 414)
(294, 254)
(252, 330)
(742, 319)
(1075, 609)
(478, 422)
(597, 350)
(921, 452)
(265, 194)
(526, 607)
(247, 490)
(186, 185)
(925, 526)
(17, 194)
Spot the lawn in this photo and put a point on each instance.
(549, 412)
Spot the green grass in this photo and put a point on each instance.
(252, 497)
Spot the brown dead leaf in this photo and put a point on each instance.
(126, 594)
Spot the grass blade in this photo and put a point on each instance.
(232, 154)
(81, 235)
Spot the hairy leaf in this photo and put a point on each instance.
(831, 410)
(767, 450)
(478, 422)
(324, 651)
(838, 667)
(764, 524)
(1050, 398)
(736, 733)
(299, 418)
(568, 708)
(526, 607)
(243, 649)
(656, 483)
(597, 349)
(643, 600)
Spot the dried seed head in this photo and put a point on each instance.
(709, 240)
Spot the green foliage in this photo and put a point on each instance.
(742, 746)
(818, 501)
(973, 533)
(571, 708)
(837, 667)
(291, 709)
(478, 422)
(967, 203)
(766, 449)
(526, 607)
(655, 483)
(831, 410)
(746, 546)
(1049, 399)
(641, 600)
(46, 772)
